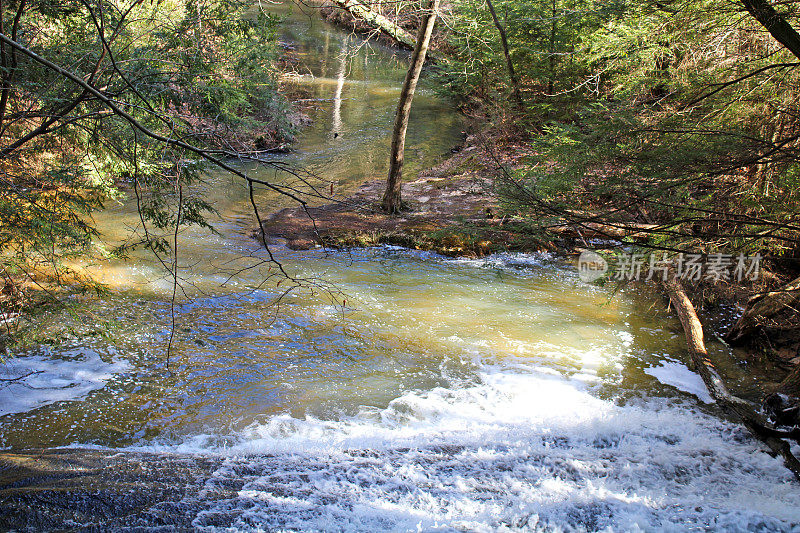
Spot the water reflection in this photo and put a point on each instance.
(336, 126)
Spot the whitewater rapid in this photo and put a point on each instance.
(523, 449)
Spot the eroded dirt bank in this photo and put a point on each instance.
(451, 208)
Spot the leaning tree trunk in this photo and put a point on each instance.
(733, 405)
(775, 24)
(391, 199)
(515, 92)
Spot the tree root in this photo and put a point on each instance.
(761, 307)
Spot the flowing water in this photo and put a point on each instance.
(426, 394)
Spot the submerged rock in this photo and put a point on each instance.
(45, 490)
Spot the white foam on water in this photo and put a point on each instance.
(625, 337)
(679, 376)
(520, 450)
(502, 260)
(507, 260)
(33, 381)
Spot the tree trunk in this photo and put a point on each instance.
(8, 59)
(391, 202)
(775, 24)
(552, 59)
(515, 92)
(364, 13)
(752, 420)
(761, 307)
(693, 330)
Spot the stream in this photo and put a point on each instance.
(493, 394)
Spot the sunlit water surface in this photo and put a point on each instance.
(425, 393)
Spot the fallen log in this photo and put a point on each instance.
(762, 307)
(378, 21)
(595, 230)
(741, 409)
